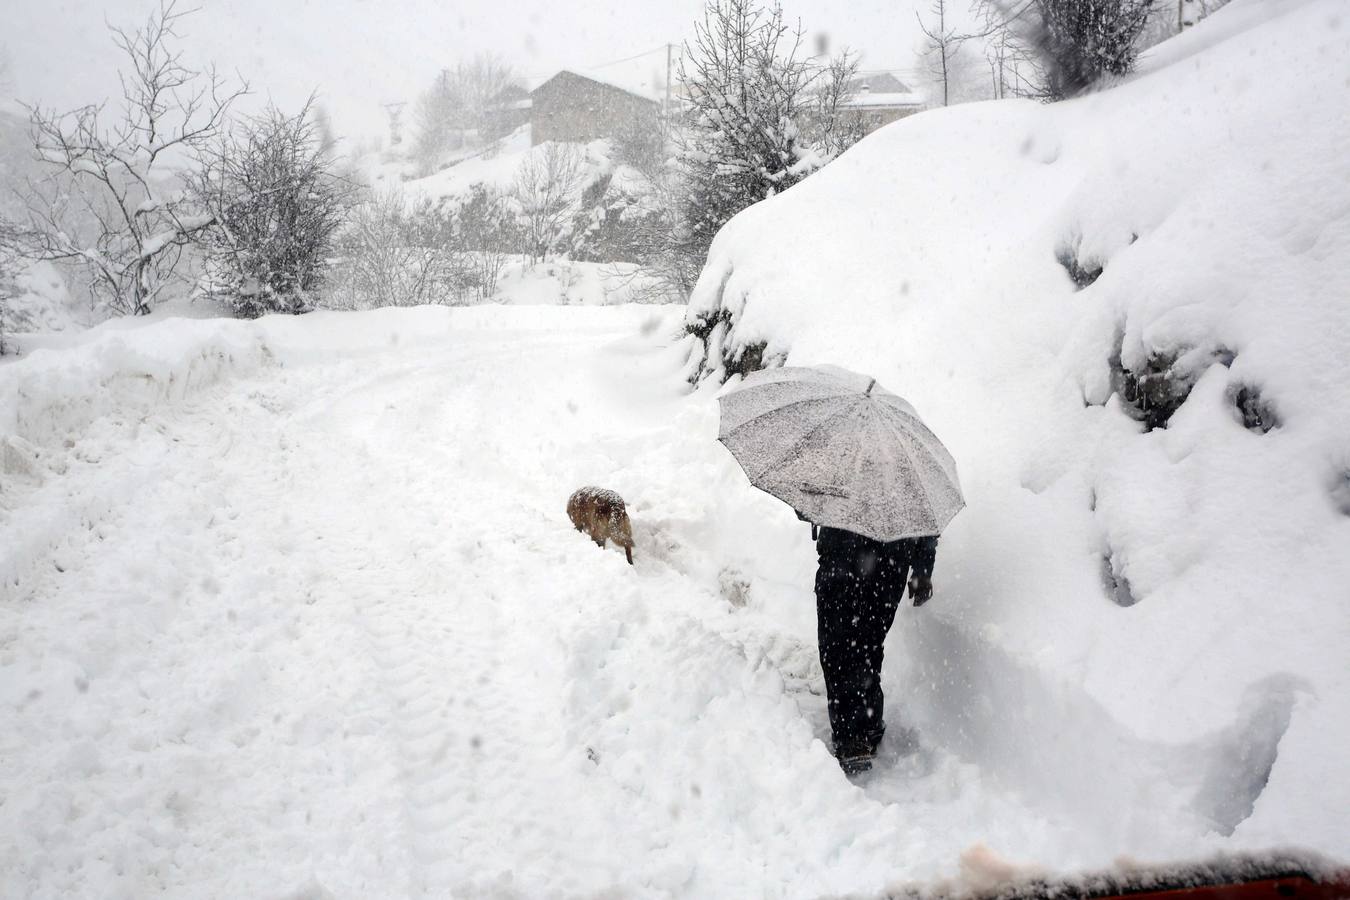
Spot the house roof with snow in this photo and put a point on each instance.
(568, 74)
(882, 90)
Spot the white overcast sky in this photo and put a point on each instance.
(359, 54)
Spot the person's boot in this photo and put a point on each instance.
(855, 755)
(874, 739)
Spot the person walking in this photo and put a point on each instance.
(860, 584)
(857, 462)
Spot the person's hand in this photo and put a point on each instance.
(921, 589)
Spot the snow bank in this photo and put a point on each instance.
(1125, 615)
(78, 398)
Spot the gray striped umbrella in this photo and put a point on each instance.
(842, 451)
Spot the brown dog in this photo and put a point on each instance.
(601, 514)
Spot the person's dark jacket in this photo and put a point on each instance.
(880, 563)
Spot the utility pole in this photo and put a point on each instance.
(666, 110)
(395, 111)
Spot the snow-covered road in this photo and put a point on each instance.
(318, 623)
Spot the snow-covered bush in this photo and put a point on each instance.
(832, 127)
(114, 202)
(390, 255)
(547, 190)
(604, 228)
(484, 226)
(1080, 41)
(276, 205)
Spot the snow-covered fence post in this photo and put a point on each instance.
(111, 203)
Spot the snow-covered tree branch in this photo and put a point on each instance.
(114, 199)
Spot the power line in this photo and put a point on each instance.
(612, 62)
(660, 49)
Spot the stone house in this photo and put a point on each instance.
(880, 98)
(572, 107)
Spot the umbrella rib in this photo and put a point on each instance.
(928, 498)
(930, 453)
(801, 442)
(789, 405)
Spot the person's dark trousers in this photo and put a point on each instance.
(859, 586)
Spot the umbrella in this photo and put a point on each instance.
(842, 451)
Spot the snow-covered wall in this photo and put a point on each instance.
(1127, 317)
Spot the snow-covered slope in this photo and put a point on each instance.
(494, 167)
(1126, 615)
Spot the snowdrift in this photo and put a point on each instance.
(1127, 316)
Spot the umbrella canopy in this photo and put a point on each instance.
(842, 451)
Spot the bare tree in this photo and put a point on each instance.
(323, 129)
(942, 47)
(439, 116)
(389, 257)
(668, 270)
(547, 189)
(118, 170)
(1013, 71)
(484, 225)
(482, 80)
(275, 205)
(460, 107)
(833, 126)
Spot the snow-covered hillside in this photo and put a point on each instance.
(494, 166)
(1143, 602)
